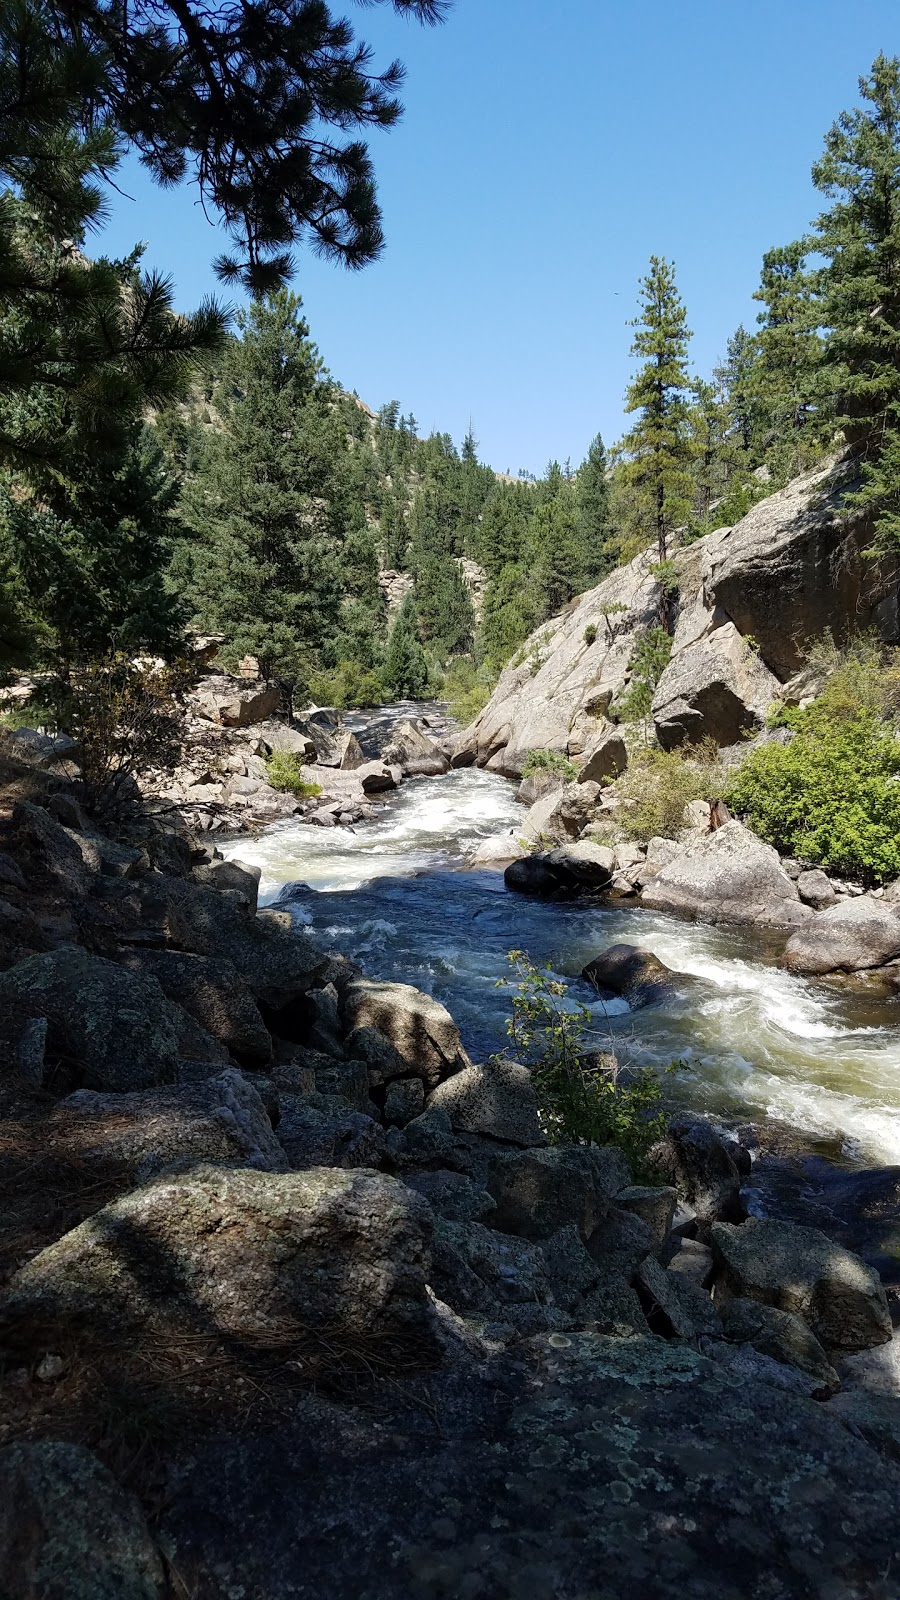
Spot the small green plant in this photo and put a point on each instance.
(284, 770)
(649, 660)
(550, 761)
(583, 1095)
(467, 688)
(659, 784)
(590, 633)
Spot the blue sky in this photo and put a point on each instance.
(546, 152)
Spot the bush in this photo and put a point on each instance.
(660, 783)
(467, 688)
(552, 761)
(649, 660)
(832, 793)
(284, 770)
(128, 719)
(584, 1097)
(348, 688)
(590, 633)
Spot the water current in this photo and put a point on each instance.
(752, 1042)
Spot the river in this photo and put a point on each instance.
(752, 1042)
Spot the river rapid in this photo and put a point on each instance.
(753, 1043)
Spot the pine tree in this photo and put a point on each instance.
(405, 672)
(736, 377)
(859, 286)
(501, 535)
(267, 565)
(658, 446)
(708, 418)
(556, 553)
(594, 511)
(789, 349)
(444, 607)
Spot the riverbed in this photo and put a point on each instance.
(752, 1043)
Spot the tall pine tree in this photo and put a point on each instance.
(658, 447)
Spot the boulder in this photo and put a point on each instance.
(781, 1335)
(318, 1131)
(237, 703)
(619, 1244)
(692, 1259)
(637, 974)
(562, 814)
(513, 1269)
(531, 874)
(497, 852)
(816, 890)
(420, 1029)
(293, 738)
(800, 1270)
(242, 1255)
(581, 867)
(414, 752)
(695, 1160)
(69, 1532)
(572, 1272)
(376, 777)
(116, 1030)
(213, 992)
(539, 1191)
(220, 1120)
(537, 785)
(351, 753)
(604, 758)
(497, 1099)
(674, 1306)
(231, 874)
(727, 876)
(714, 687)
(404, 1099)
(654, 1205)
(848, 937)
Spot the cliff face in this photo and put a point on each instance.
(751, 598)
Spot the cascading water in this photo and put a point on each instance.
(752, 1042)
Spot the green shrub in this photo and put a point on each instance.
(549, 761)
(583, 1096)
(590, 633)
(832, 793)
(467, 688)
(348, 688)
(649, 660)
(659, 784)
(284, 770)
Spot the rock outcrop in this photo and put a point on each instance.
(749, 598)
(728, 876)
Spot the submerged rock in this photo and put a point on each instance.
(637, 974)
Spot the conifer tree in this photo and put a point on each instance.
(501, 535)
(444, 607)
(658, 447)
(557, 553)
(789, 348)
(405, 672)
(859, 286)
(267, 571)
(594, 510)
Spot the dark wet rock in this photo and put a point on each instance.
(781, 1335)
(316, 1131)
(850, 936)
(213, 992)
(419, 1028)
(579, 867)
(220, 1120)
(637, 974)
(799, 1270)
(116, 1030)
(654, 1205)
(68, 1531)
(497, 1099)
(239, 1255)
(696, 1160)
(532, 875)
(540, 1191)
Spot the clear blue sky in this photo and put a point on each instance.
(546, 152)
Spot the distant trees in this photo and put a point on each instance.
(405, 673)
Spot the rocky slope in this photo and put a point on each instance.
(296, 1299)
(750, 598)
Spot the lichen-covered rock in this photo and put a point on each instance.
(781, 1335)
(315, 1131)
(404, 1099)
(212, 991)
(728, 876)
(420, 1029)
(696, 1161)
(231, 874)
(800, 1270)
(222, 1119)
(237, 1254)
(497, 1099)
(540, 1191)
(847, 937)
(116, 1029)
(675, 1305)
(69, 1532)
(654, 1205)
(619, 1244)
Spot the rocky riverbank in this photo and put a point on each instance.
(297, 1298)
